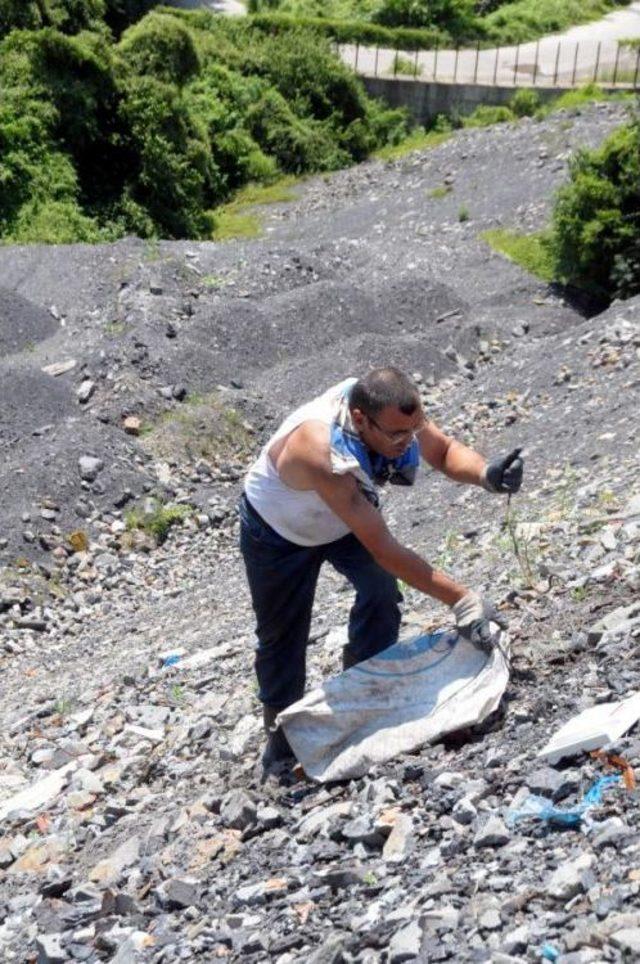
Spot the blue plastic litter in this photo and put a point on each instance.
(543, 809)
(172, 660)
(549, 953)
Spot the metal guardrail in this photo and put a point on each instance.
(545, 63)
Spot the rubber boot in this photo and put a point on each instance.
(277, 753)
(348, 659)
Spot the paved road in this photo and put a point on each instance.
(582, 54)
(232, 8)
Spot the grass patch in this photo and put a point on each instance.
(159, 521)
(203, 427)
(237, 220)
(439, 192)
(418, 140)
(530, 251)
(463, 214)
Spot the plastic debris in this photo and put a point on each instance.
(172, 660)
(543, 809)
(593, 728)
(549, 953)
(612, 759)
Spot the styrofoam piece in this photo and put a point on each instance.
(593, 728)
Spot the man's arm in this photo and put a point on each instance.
(342, 495)
(457, 461)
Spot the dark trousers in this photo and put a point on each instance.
(282, 578)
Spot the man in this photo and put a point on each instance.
(311, 497)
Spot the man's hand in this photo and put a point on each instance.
(504, 474)
(473, 617)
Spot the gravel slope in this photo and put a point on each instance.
(156, 840)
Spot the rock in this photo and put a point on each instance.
(85, 391)
(400, 842)
(611, 833)
(40, 795)
(238, 810)
(50, 950)
(405, 944)
(132, 425)
(59, 368)
(90, 467)
(493, 833)
(628, 941)
(178, 892)
(620, 620)
(555, 784)
(110, 870)
(569, 879)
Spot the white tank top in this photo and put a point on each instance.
(301, 517)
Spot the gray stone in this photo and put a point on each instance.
(611, 833)
(90, 467)
(50, 950)
(405, 943)
(555, 784)
(627, 940)
(85, 391)
(179, 892)
(493, 833)
(569, 879)
(238, 810)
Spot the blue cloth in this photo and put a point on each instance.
(375, 469)
(282, 579)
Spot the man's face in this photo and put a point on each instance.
(390, 432)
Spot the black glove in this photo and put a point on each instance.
(504, 474)
(473, 618)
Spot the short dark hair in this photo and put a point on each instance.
(384, 387)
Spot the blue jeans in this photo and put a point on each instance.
(282, 579)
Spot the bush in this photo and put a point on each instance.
(596, 219)
(455, 16)
(485, 115)
(176, 176)
(525, 103)
(354, 31)
(163, 47)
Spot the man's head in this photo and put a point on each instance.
(386, 410)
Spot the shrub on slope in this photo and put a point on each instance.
(596, 220)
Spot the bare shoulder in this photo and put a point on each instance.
(309, 445)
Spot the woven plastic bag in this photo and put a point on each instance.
(409, 695)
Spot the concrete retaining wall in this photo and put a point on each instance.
(424, 100)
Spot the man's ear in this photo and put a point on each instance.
(358, 417)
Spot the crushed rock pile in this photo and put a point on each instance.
(134, 824)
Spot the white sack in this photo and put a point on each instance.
(408, 695)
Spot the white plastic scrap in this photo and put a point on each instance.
(593, 728)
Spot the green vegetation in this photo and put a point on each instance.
(402, 65)
(437, 193)
(152, 133)
(463, 214)
(530, 251)
(203, 427)
(595, 241)
(526, 20)
(238, 219)
(427, 22)
(157, 522)
(417, 140)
